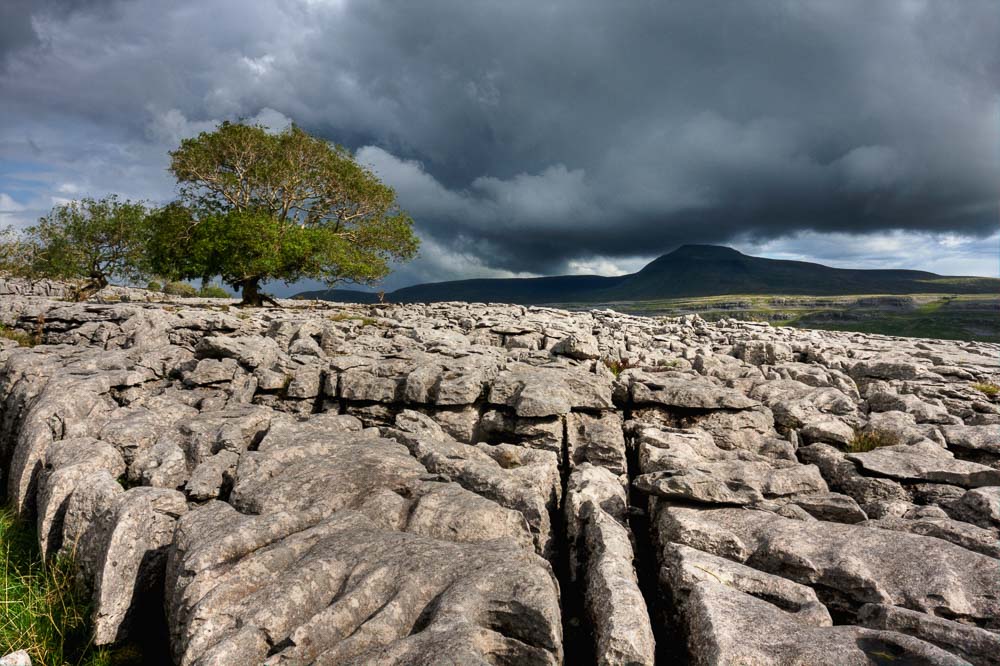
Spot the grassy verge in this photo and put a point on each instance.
(41, 608)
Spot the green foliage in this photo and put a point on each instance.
(42, 610)
(987, 388)
(213, 291)
(182, 289)
(154, 286)
(869, 440)
(256, 206)
(93, 239)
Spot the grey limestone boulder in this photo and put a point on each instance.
(726, 626)
(857, 564)
(980, 506)
(683, 568)
(689, 392)
(549, 391)
(70, 463)
(732, 482)
(579, 346)
(960, 533)
(973, 439)
(978, 646)
(346, 590)
(925, 461)
(517, 478)
(596, 439)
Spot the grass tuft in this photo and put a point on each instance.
(347, 316)
(617, 366)
(42, 609)
(20, 337)
(987, 388)
(869, 440)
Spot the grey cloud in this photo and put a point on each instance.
(17, 30)
(527, 137)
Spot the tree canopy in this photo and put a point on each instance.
(257, 206)
(96, 240)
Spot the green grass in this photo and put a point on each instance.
(987, 388)
(869, 440)
(941, 325)
(922, 315)
(346, 316)
(42, 610)
(23, 339)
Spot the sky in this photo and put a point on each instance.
(531, 137)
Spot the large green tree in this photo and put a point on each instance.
(257, 206)
(92, 241)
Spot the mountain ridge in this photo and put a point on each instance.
(688, 271)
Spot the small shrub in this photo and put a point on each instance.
(869, 440)
(617, 366)
(987, 388)
(154, 286)
(213, 291)
(182, 289)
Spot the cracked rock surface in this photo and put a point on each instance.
(493, 484)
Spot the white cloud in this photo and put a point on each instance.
(171, 126)
(10, 212)
(8, 204)
(606, 266)
(943, 253)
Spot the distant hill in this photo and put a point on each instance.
(688, 271)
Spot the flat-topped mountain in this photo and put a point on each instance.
(688, 271)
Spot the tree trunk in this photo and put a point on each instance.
(89, 289)
(253, 297)
(251, 293)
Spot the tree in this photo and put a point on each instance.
(256, 206)
(13, 252)
(94, 240)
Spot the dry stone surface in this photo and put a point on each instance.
(494, 484)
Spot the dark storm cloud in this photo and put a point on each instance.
(16, 29)
(526, 136)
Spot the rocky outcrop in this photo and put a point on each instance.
(463, 483)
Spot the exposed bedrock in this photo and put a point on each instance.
(491, 484)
